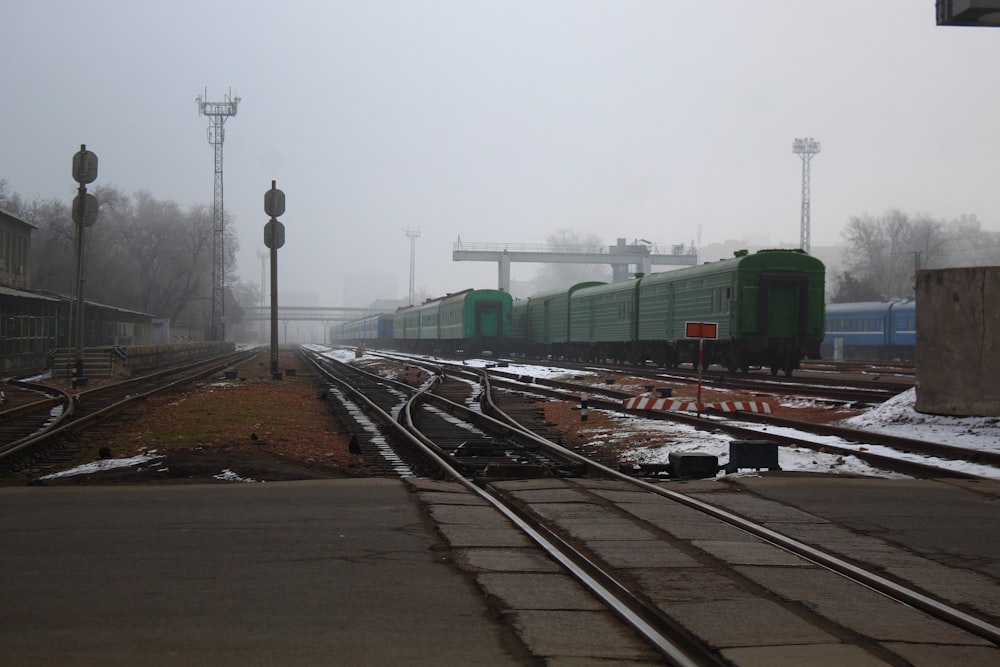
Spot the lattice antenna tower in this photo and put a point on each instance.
(805, 149)
(413, 235)
(218, 113)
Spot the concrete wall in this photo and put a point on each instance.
(958, 341)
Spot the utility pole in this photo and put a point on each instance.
(805, 149)
(413, 236)
(218, 113)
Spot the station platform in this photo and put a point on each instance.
(385, 572)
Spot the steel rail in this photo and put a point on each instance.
(65, 425)
(678, 648)
(903, 594)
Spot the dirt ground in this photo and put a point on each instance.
(251, 428)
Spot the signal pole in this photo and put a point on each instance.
(274, 238)
(263, 257)
(413, 236)
(84, 215)
(217, 113)
(805, 149)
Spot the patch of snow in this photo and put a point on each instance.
(228, 475)
(681, 438)
(899, 417)
(106, 464)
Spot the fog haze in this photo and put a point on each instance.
(506, 121)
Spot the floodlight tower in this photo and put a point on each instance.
(413, 236)
(217, 113)
(805, 149)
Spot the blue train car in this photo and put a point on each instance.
(371, 331)
(878, 330)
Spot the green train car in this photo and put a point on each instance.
(543, 319)
(471, 321)
(767, 308)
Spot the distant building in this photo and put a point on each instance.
(361, 289)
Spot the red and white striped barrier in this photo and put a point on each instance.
(668, 404)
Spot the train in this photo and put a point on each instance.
(765, 309)
(875, 330)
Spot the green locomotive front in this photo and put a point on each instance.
(471, 320)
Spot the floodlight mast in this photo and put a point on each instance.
(217, 113)
(805, 149)
(413, 235)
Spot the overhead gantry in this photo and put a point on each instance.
(625, 259)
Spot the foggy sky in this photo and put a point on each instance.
(505, 121)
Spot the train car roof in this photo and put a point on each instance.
(762, 259)
(867, 306)
(605, 288)
(562, 291)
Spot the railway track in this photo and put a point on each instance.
(901, 455)
(623, 538)
(873, 389)
(39, 433)
(893, 454)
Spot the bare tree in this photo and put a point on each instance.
(142, 254)
(53, 257)
(558, 275)
(884, 253)
(966, 243)
(881, 251)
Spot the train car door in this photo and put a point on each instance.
(487, 318)
(782, 305)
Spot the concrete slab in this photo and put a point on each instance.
(859, 609)
(584, 634)
(640, 553)
(924, 655)
(538, 591)
(750, 553)
(671, 586)
(745, 621)
(978, 591)
(685, 523)
(943, 521)
(813, 655)
(504, 560)
(464, 536)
